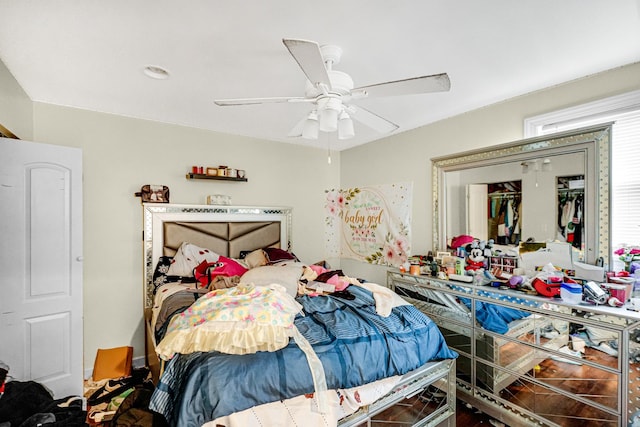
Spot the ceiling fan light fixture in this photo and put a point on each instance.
(328, 120)
(329, 108)
(345, 126)
(311, 126)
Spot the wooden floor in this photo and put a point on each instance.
(471, 417)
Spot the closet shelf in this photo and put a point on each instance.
(216, 178)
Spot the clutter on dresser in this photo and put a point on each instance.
(153, 193)
(549, 269)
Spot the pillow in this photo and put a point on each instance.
(160, 273)
(188, 257)
(285, 275)
(161, 276)
(255, 259)
(276, 254)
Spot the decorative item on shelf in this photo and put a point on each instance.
(218, 199)
(222, 173)
(153, 193)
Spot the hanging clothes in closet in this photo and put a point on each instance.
(570, 218)
(504, 218)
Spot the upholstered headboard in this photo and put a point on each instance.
(227, 230)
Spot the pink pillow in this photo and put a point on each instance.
(339, 284)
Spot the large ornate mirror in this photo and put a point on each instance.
(541, 189)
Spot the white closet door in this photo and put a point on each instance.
(41, 264)
(477, 220)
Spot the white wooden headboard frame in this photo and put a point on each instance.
(157, 214)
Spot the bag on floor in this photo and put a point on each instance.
(21, 400)
(134, 410)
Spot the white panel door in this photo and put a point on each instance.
(477, 220)
(41, 264)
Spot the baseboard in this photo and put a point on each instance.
(137, 362)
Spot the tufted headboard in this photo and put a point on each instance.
(226, 230)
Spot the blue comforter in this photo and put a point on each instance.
(355, 345)
(495, 318)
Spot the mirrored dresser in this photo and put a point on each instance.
(531, 360)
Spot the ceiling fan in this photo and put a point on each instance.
(331, 93)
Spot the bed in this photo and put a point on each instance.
(498, 330)
(319, 374)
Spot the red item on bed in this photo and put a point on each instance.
(206, 271)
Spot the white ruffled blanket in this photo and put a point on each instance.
(303, 410)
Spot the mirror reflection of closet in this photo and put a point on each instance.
(570, 213)
(494, 211)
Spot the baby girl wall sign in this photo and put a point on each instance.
(371, 224)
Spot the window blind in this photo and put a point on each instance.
(625, 170)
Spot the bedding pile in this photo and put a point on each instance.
(230, 350)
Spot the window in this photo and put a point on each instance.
(624, 111)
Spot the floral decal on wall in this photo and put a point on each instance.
(371, 224)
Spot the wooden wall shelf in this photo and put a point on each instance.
(217, 178)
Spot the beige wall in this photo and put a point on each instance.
(121, 154)
(16, 111)
(407, 156)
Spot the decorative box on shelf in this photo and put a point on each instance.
(218, 199)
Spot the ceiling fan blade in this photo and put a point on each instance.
(308, 56)
(372, 120)
(250, 101)
(415, 85)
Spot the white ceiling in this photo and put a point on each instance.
(90, 54)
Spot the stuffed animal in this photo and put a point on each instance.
(487, 248)
(475, 256)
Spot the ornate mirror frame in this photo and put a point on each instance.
(593, 141)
